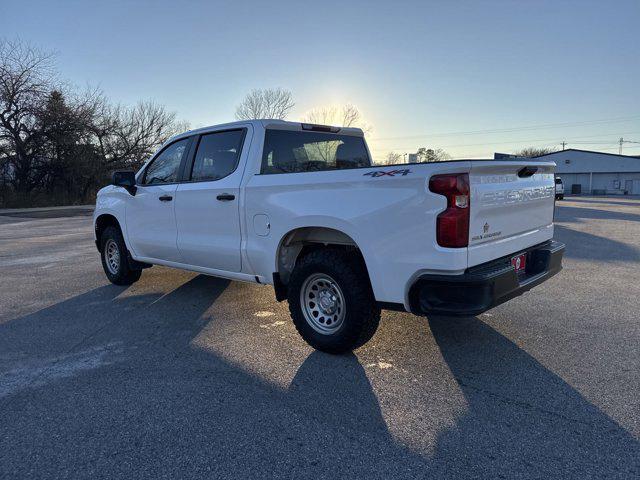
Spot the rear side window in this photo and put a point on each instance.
(217, 155)
(287, 151)
(164, 168)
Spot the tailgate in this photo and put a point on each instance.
(512, 205)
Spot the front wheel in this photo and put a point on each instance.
(114, 258)
(331, 301)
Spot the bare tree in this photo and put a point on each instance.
(126, 137)
(531, 152)
(394, 158)
(265, 103)
(432, 155)
(26, 78)
(346, 116)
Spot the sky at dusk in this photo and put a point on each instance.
(469, 77)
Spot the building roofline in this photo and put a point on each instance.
(587, 151)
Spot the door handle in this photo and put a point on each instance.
(225, 197)
(165, 198)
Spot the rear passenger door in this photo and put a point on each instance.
(207, 202)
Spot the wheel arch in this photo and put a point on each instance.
(298, 241)
(103, 221)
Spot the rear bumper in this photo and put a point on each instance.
(484, 286)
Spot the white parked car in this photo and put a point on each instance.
(302, 208)
(559, 189)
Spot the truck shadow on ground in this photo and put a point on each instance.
(523, 419)
(606, 201)
(566, 213)
(148, 404)
(595, 248)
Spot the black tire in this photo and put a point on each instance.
(362, 314)
(123, 274)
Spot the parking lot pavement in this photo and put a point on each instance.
(182, 375)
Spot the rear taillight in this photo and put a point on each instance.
(452, 225)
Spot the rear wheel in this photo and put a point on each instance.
(115, 260)
(331, 301)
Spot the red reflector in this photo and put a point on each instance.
(452, 225)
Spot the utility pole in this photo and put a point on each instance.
(563, 144)
(622, 141)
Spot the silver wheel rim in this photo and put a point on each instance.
(322, 303)
(112, 256)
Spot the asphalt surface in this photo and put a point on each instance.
(187, 376)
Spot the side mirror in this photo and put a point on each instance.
(125, 179)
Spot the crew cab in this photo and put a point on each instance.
(301, 207)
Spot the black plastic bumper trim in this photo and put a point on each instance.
(484, 286)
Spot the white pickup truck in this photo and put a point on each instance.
(302, 208)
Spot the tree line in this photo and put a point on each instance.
(58, 144)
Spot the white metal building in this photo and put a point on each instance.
(596, 173)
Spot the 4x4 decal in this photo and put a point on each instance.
(390, 173)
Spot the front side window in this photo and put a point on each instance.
(165, 167)
(217, 155)
(289, 151)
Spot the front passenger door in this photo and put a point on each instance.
(151, 218)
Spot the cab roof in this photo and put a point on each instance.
(275, 124)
